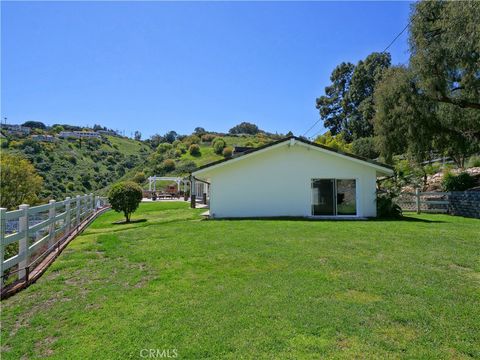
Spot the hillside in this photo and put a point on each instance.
(176, 159)
(71, 167)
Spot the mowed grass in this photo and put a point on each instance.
(255, 289)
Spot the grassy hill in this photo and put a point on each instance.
(176, 159)
(71, 167)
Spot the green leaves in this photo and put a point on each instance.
(347, 106)
(125, 197)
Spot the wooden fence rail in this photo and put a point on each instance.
(430, 201)
(29, 234)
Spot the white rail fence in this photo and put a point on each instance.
(29, 234)
(429, 202)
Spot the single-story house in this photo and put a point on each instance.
(292, 177)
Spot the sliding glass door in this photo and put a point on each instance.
(323, 194)
(334, 197)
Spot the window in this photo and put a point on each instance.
(334, 197)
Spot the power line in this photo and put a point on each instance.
(399, 34)
(391, 43)
(311, 127)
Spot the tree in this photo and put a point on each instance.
(57, 129)
(19, 182)
(409, 122)
(347, 106)
(170, 136)
(245, 128)
(336, 142)
(35, 125)
(155, 140)
(199, 131)
(404, 121)
(365, 147)
(125, 197)
(137, 135)
(445, 51)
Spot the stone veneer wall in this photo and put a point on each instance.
(465, 203)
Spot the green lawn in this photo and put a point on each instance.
(255, 289)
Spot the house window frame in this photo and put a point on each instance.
(335, 215)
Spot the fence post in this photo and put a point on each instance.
(78, 211)
(3, 228)
(67, 217)
(417, 199)
(51, 216)
(23, 242)
(193, 192)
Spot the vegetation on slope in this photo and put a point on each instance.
(71, 167)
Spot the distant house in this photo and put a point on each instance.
(17, 130)
(78, 134)
(291, 177)
(44, 138)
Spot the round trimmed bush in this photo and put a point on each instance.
(218, 144)
(163, 148)
(194, 150)
(227, 152)
(168, 165)
(125, 197)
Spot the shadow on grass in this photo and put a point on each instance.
(408, 219)
(304, 219)
(123, 222)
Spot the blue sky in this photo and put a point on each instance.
(157, 66)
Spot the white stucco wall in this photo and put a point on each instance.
(277, 182)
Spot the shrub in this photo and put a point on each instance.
(218, 144)
(474, 161)
(177, 153)
(186, 167)
(168, 165)
(163, 148)
(71, 186)
(139, 177)
(192, 139)
(387, 207)
(182, 147)
(227, 152)
(208, 138)
(365, 147)
(72, 159)
(125, 197)
(460, 182)
(432, 169)
(194, 150)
